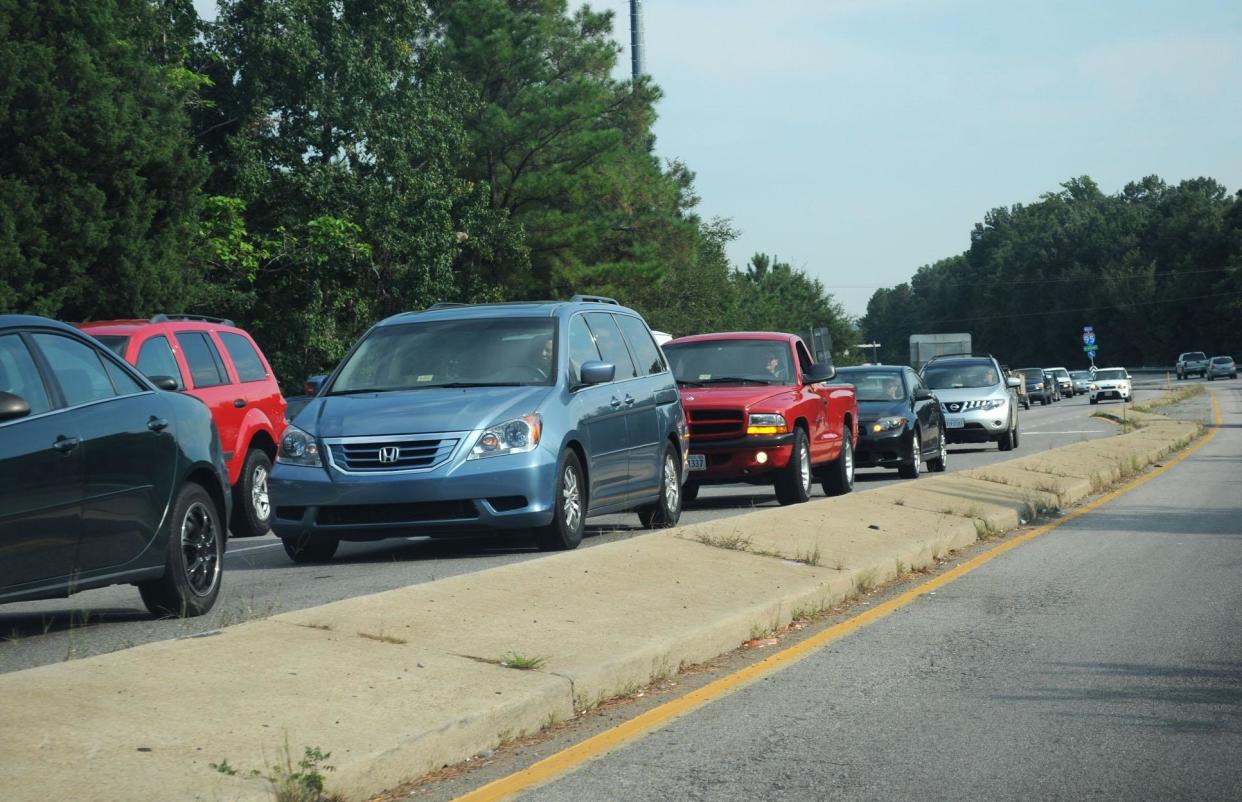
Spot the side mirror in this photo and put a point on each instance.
(164, 382)
(314, 383)
(1012, 382)
(13, 406)
(820, 372)
(923, 394)
(595, 372)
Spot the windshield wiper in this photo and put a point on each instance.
(734, 380)
(478, 384)
(688, 383)
(353, 391)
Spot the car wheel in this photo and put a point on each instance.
(191, 580)
(1008, 440)
(1094, 400)
(310, 548)
(689, 492)
(1026, 403)
(839, 479)
(793, 483)
(914, 466)
(252, 507)
(667, 510)
(940, 463)
(569, 505)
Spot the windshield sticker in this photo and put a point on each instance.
(426, 377)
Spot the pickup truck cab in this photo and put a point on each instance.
(760, 410)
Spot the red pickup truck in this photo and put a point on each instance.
(760, 410)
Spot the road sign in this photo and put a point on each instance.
(1090, 349)
(1088, 335)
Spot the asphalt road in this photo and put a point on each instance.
(260, 580)
(1102, 660)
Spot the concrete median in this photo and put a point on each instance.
(400, 683)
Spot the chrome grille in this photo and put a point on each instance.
(376, 454)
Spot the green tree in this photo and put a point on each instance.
(774, 296)
(99, 181)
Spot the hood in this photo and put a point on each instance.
(971, 394)
(734, 397)
(417, 411)
(874, 410)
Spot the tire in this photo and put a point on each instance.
(941, 463)
(1026, 404)
(839, 478)
(689, 492)
(252, 507)
(1094, 400)
(1008, 440)
(667, 510)
(793, 483)
(195, 558)
(1043, 402)
(569, 506)
(914, 467)
(310, 548)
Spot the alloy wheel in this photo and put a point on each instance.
(201, 548)
(571, 500)
(259, 499)
(672, 485)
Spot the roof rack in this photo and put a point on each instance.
(595, 299)
(445, 305)
(163, 318)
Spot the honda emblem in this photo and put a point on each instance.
(389, 454)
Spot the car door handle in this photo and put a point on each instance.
(615, 402)
(239, 403)
(629, 400)
(157, 424)
(66, 444)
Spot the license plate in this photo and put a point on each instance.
(954, 421)
(698, 462)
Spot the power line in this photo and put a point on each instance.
(1039, 281)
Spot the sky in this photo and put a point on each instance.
(861, 139)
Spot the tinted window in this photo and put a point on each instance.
(1114, 374)
(645, 351)
(245, 358)
(731, 362)
(19, 376)
(124, 383)
(611, 346)
(872, 384)
(201, 355)
(156, 359)
(581, 347)
(77, 367)
(115, 343)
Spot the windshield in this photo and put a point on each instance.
(451, 353)
(959, 376)
(115, 343)
(874, 385)
(1080, 375)
(1111, 374)
(731, 362)
(1194, 356)
(1032, 374)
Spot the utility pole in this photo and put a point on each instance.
(636, 39)
(875, 352)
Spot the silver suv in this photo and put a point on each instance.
(975, 397)
(1192, 362)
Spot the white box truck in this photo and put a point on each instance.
(925, 346)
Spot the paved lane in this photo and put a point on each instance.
(260, 580)
(1101, 660)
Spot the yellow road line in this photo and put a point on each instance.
(554, 766)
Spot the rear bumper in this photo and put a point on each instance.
(739, 460)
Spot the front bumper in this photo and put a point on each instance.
(507, 492)
(739, 460)
(1103, 393)
(881, 449)
(978, 426)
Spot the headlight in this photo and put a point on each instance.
(887, 424)
(1094, 388)
(298, 448)
(994, 403)
(516, 436)
(763, 423)
(1039, 386)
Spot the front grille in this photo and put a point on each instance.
(407, 454)
(964, 406)
(716, 423)
(397, 513)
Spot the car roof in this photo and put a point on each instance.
(549, 309)
(25, 321)
(774, 336)
(958, 360)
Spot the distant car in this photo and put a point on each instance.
(1189, 362)
(1064, 382)
(1111, 383)
(1082, 381)
(1222, 367)
(219, 364)
(104, 479)
(1020, 390)
(1038, 388)
(900, 423)
(976, 400)
(1050, 381)
(525, 418)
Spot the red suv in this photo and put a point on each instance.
(218, 363)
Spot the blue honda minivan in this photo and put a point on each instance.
(526, 417)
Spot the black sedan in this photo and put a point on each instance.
(104, 479)
(1038, 387)
(900, 423)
